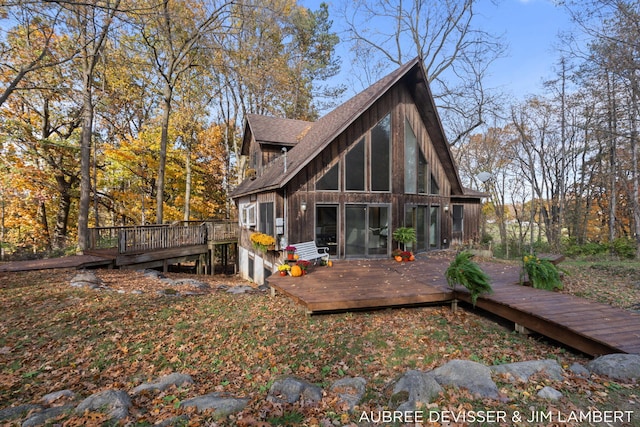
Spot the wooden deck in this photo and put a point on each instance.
(589, 327)
(364, 284)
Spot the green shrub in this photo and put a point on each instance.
(463, 271)
(542, 273)
(624, 247)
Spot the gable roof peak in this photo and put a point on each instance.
(319, 134)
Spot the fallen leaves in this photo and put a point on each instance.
(55, 337)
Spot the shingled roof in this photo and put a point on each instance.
(316, 137)
(273, 130)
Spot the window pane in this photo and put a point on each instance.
(355, 226)
(458, 214)
(327, 228)
(423, 173)
(329, 181)
(380, 148)
(378, 230)
(409, 213)
(355, 167)
(266, 218)
(434, 185)
(410, 159)
(434, 228)
(421, 227)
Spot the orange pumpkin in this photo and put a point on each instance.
(412, 258)
(399, 258)
(296, 271)
(330, 263)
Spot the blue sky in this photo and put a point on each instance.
(530, 29)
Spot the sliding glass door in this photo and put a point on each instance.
(366, 230)
(426, 221)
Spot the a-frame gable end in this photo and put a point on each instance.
(417, 85)
(426, 145)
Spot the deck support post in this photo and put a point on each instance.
(521, 329)
(454, 305)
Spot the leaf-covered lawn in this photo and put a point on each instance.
(55, 337)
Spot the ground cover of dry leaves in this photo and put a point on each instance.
(54, 337)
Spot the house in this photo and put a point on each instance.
(377, 162)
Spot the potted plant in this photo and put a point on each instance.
(304, 265)
(291, 250)
(284, 269)
(541, 272)
(463, 271)
(404, 235)
(263, 242)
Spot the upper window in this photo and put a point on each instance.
(435, 189)
(423, 173)
(416, 168)
(266, 225)
(410, 159)
(380, 155)
(329, 181)
(354, 167)
(248, 215)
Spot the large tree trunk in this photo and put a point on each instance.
(162, 161)
(187, 187)
(612, 128)
(85, 160)
(634, 159)
(62, 215)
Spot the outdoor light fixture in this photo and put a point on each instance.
(446, 208)
(303, 206)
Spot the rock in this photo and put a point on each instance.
(13, 412)
(291, 390)
(549, 393)
(579, 370)
(413, 389)
(221, 403)
(86, 279)
(42, 417)
(52, 397)
(116, 402)
(240, 289)
(192, 282)
(617, 366)
(180, 420)
(155, 274)
(350, 390)
(163, 383)
(521, 371)
(473, 376)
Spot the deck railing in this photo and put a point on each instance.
(148, 238)
(142, 238)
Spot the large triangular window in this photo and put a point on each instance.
(416, 168)
(329, 181)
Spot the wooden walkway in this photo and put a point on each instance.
(589, 327)
(74, 261)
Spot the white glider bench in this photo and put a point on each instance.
(310, 252)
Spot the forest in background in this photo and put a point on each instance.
(127, 112)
